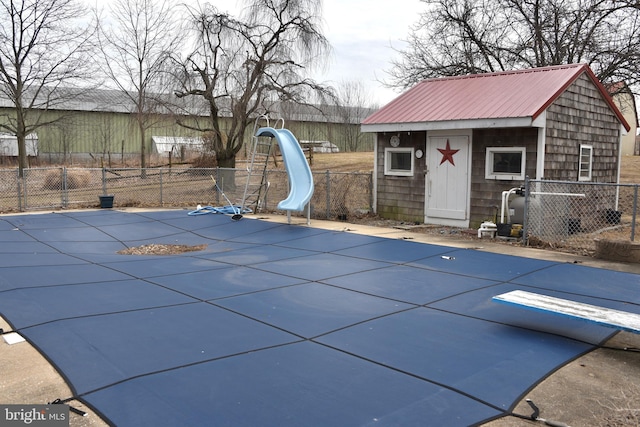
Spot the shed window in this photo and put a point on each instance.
(506, 163)
(398, 161)
(586, 163)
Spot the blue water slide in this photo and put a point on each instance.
(300, 177)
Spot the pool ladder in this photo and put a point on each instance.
(257, 185)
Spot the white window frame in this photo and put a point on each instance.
(489, 173)
(388, 154)
(585, 166)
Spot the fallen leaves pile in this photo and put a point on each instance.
(161, 249)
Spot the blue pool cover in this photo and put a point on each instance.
(285, 325)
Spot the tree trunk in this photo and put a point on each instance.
(227, 174)
(143, 155)
(226, 162)
(22, 154)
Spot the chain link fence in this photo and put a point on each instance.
(575, 215)
(556, 214)
(336, 195)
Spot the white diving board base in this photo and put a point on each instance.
(592, 313)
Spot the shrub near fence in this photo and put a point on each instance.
(337, 195)
(575, 214)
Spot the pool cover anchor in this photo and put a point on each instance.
(535, 416)
(71, 408)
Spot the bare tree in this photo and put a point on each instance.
(456, 37)
(238, 66)
(353, 106)
(63, 136)
(135, 49)
(104, 139)
(44, 50)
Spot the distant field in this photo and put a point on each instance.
(343, 162)
(336, 162)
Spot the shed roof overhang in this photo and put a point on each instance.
(504, 99)
(513, 122)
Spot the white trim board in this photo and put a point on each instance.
(591, 313)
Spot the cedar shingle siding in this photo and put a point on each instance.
(486, 194)
(402, 197)
(581, 116)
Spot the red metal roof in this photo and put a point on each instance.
(503, 95)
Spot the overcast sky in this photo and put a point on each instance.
(363, 34)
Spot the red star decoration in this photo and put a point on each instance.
(447, 154)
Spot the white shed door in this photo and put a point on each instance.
(447, 177)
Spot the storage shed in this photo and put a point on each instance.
(167, 146)
(9, 145)
(447, 148)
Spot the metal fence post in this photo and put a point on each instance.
(635, 211)
(216, 186)
(371, 189)
(261, 205)
(525, 220)
(19, 179)
(328, 180)
(65, 188)
(104, 181)
(160, 170)
(25, 188)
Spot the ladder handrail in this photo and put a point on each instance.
(251, 167)
(255, 123)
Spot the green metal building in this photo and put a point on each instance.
(101, 124)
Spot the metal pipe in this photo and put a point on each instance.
(540, 193)
(505, 203)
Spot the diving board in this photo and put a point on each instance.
(592, 313)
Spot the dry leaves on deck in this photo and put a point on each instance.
(161, 249)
